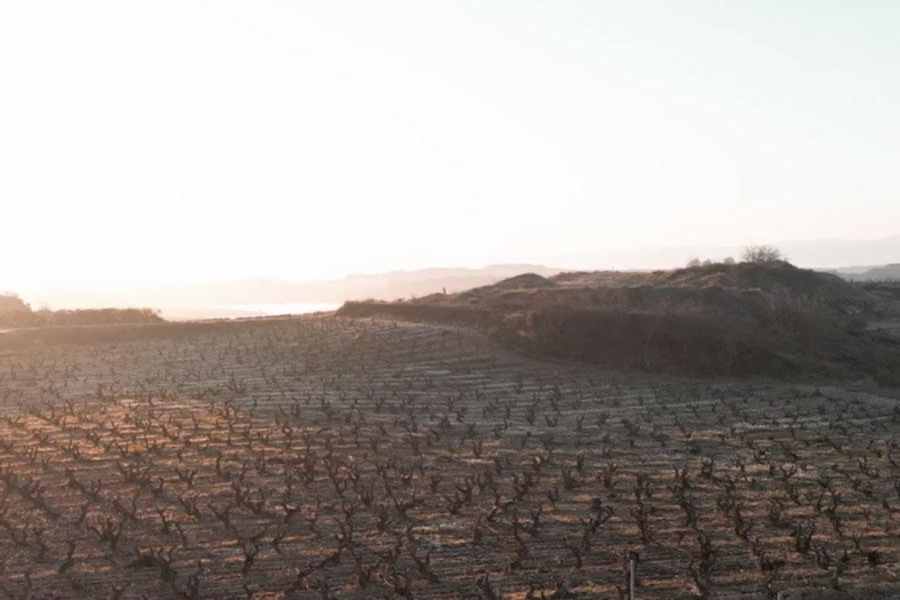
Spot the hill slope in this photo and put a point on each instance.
(716, 319)
(881, 273)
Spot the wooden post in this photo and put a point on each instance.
(631, 579)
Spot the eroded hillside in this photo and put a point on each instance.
(746, 319)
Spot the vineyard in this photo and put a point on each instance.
(324, 457)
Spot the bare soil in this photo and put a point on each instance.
(327, 457)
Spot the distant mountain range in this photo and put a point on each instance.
(882, 273)
(235, 298)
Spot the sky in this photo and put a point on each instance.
(146, 143)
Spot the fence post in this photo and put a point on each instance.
(631, 579)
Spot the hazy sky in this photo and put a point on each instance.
(169, 141)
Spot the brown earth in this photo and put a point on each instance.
(351, 458)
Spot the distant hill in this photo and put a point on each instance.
(881, 273)
(211, 299)
(15, 313)
(735, 319)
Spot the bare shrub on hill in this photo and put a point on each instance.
(762, 255)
